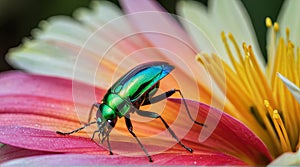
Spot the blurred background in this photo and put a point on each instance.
(19, 17)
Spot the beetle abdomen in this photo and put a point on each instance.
(140, 79)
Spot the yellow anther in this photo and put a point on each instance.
(287, 32)
(250, 48)
(244, 46)
(266, 103)
(276, 27)
(276, 115)
(268, 22)
(198, 58)
(230, 36)
(268, 107)
(223, 36)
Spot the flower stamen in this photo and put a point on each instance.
(243, 78)
(237, 66)
(236, 46)
(271, 48)
(228, 50)
(281, 132)
(279, 127)
(286, 64)
(216, 67)
(269, 23)
(287, 32)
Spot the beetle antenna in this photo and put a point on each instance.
(76, 130)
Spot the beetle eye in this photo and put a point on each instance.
(112, 123)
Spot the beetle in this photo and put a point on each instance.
(134, 89)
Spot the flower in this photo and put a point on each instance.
(34, 112)
(77, 59)
(254, 91)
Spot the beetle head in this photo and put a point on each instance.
(106, 120)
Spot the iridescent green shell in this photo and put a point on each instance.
(134, 84)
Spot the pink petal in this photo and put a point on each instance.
(8, 152)
(161, 159)
(164, 23)
(33, 107)
(44, 102)
(172, 44)
(159, 28)
(36, 139)
(16, 82)
(230, 135)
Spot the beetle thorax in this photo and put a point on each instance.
(119, 105)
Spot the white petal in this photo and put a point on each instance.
(54, 49)
(198, 22)
(45, 58)
(100, 13)
(288, 17)
(287, 159)
(227, 16)
(291, 86)
(232, 16)
(67, 48)
(62, 28)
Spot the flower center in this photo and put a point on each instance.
(285, 60)
(253, 90)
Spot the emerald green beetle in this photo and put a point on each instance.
(134, 89)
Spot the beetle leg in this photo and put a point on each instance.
(168, 94)
(108, 144)
(91, 111)
(130, 129)
(159, 97)
(155, 115)
(76, 130)
(92, 138)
